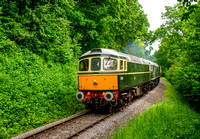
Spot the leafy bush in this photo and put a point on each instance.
(33, 91)
(186, 81)
(38, 64)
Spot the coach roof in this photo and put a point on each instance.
(130, 58)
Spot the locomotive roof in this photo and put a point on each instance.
(103, 51)
(130, 58)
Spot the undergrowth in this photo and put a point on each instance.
(168, 119)
(34, 92)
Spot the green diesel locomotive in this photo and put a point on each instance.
(111, 79)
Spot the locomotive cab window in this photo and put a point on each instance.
(109, 64)
(84, 65)
(124, 65)
(95, 64)
(121, 64)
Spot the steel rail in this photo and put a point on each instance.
(98, 121)
(89, 126)
(44, 128)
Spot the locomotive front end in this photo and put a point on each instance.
(98, 79)
(98, 90)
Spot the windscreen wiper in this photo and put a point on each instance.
(85, 64)
(108, 60)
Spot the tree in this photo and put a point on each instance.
(179, 52)
(108, 23)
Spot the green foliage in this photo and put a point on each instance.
(168, 119)
(187, 2)
(34, 92)
(40, 42)
(179, 51)
(186, 79)
(44, 30)
(107, 24)
(93, 24)
(38, 66)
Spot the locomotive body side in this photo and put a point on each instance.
(136, 74)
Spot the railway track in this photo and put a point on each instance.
(44, 129)
(83, 123)
(89, 126)
(69, 127)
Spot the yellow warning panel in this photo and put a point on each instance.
(104, 82)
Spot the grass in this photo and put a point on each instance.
(168, 119)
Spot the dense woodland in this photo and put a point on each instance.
(179, 53)
(41, 41)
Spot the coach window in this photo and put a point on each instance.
(109, 64)
(95, 64)
(84, 65)
(121, 64)
(124, 65)
(151, 67)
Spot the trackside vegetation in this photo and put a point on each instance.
(40, 43)
(168, 119)
(179, 51)
(34, 91)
